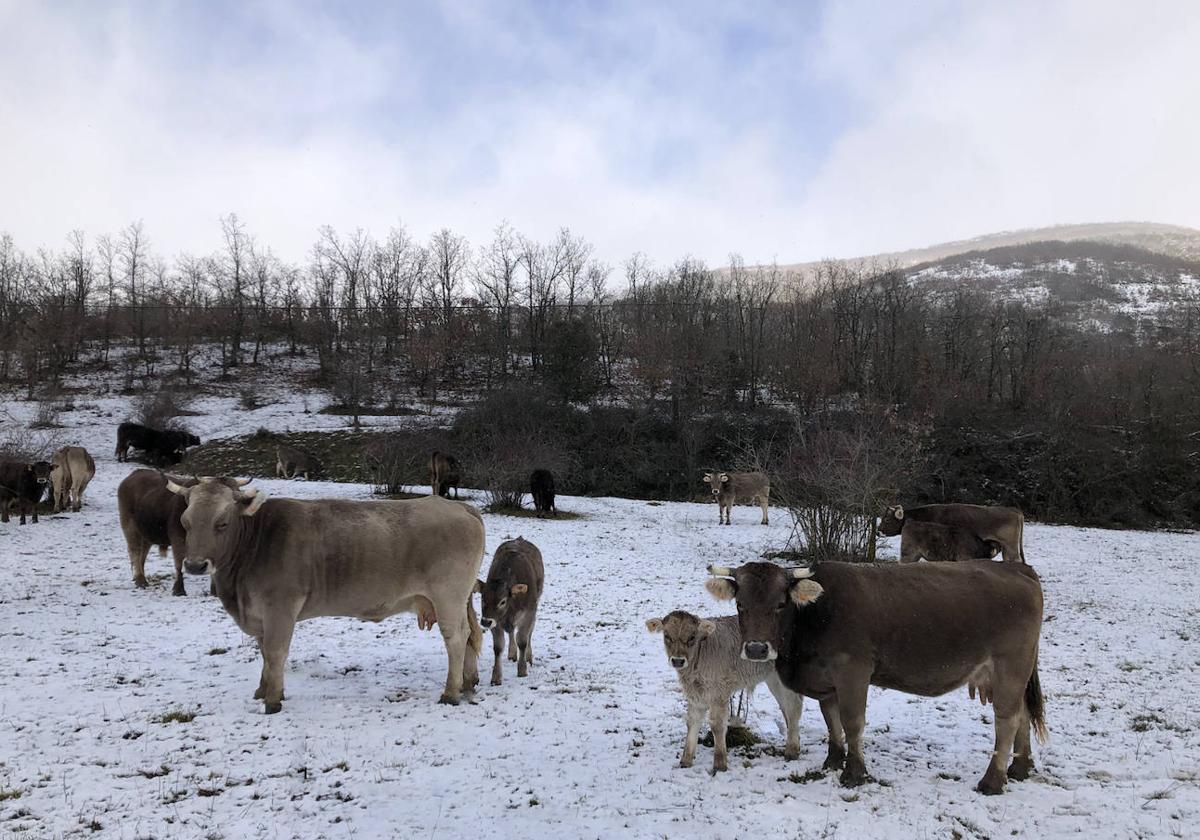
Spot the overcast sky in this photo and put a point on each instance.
(782, 131)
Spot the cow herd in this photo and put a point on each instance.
(828, 632)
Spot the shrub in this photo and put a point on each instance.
(161, 409)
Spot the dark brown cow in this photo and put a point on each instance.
(1004, 526)
(22, 486)
(925, 629)
(443, 474)
(510, 600)
(940, 543)
(541, 488)
(150, 516)
(161, 446)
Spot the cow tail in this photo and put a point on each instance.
(474, 631)
(1021, 543)
(1035, 704)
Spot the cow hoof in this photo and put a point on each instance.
(522, 672)
(495, 681)
(835, 759)
(273, 708)
(791, 753)
(685, 763)
(989, 787)
(853, 774)
(1020, 769)
(179, 590)
(448, 700)
(141, 583)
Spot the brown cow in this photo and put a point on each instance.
(291, 462)
(926, 629)
(1004, 526)
(940, 543)
(150, 516)
(730, 488)
(510, 601)
(443, 474)
(75, 470)
(280, 561)
(22, 486)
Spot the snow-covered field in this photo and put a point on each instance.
(586, 746)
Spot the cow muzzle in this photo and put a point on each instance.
(679, 662)
(759, 651)
(487, 623)
(198, 567)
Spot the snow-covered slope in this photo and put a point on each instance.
(586, 746)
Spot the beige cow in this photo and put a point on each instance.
(277, 562)
(730, 488)
(74, 471)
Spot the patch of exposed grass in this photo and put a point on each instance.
(175, 716)
(217, 651)
(10, 793)
(530, 513)
(804, 778)
(369, 411)
(735, 737)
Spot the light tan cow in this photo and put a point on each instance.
(281, 561)
(730, 488)
(74, 470)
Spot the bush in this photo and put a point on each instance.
(161, 409)
(47, 416)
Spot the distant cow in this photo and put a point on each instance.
(510, 601)
(280, 561)
(940, 543)
(160, 446)
(22, 486)
(707, 657)
(74, 471)
(1004, 526)
(836, 629)
(443, 474)
(541, 487)
(291, 462)
(151, 516)
(730, 488)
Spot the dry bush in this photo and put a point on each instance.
(48, 416)
(502, 464)
(398, 462)
(161, 409)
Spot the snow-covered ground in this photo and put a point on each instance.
(586, 746)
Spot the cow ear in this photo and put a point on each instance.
(898, 512)
(805, 592)
(477, 588)
(723, 589)
(519, 589)
(53, 467)
(708, 477)
(178, 489)
(724, 478)
(654, 625)
(706, 628)
(251, 501)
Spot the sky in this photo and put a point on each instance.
(786, 131)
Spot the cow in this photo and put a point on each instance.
(75, 469)
(291, 462)
(443, 474)
(22, 486)
(541, 488)
(1004, 526)
(706, 656)
(730, 488)
(279, 561)
(510, 598)
(940, 543)
(150, 515)
(160, 446)
(835, 629)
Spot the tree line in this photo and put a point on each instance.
(998, 400)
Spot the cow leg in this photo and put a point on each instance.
(766, 520)
(177, 554)
(835, 759)
(1008, 703)
(276, 642)
(524, 631)
(512, 645)
(138, 549)
(852, 711)
(694, 717)
(498, 650)
(718, 717)
(452, 619)
(1022, 760)
(791, 704)
(529, 639)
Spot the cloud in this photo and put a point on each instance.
(773, 131)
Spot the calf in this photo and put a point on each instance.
(443, 474)
(151, 516)
(1004, 526)
(730, 488)
(22, 486)
(706, 656)
(836, 629)
(541, 487)
(74, 470)
(291, 462)
(510, 602)
(160, 446)
(940, 543)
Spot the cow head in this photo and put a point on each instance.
(892, 521)
(212, 518)
(766, 594)
(682, 634)
(718, 482)
(41, 470)
(500, 596)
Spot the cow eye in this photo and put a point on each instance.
(220, 526)
(691, 640)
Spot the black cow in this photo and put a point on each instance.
(23, 485)
(160, 446)
(541, 487)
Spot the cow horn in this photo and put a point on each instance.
(899, 512)
(242, 482)
(720, 571)
(802, 572)
(249, 494)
